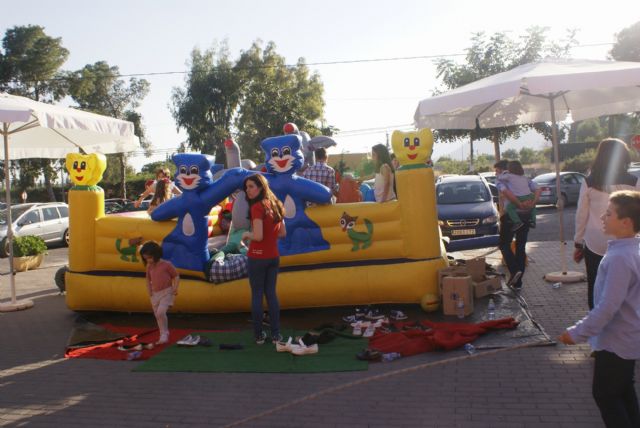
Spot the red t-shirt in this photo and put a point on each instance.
(268, 247)
(160, 275)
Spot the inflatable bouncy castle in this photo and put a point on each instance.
(342, 254)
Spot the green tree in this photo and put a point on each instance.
(527, 156)
(151, 168)
(99, 89)
(274, 94)
(627, 46)
(30, 63)
(489, 55)
(511, 154)
(206, 106)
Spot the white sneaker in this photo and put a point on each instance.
(303, 349)
(284, 346)
(186, 341)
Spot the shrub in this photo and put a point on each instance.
(28, 246)
(580, 163)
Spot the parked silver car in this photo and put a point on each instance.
(50, 221)
(570, 183)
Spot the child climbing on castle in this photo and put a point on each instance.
(162, 285)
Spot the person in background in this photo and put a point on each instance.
(161, 174)
(515, 261)
(322, 173)
(162, 285)
(384, 183)
(612, 327)
(162, 194)
(267, 225)
(608, 174)
(520, 186)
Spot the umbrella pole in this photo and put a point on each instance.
(14, 305)
(564, 275)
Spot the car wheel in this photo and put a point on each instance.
(65, 238)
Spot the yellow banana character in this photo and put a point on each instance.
(86, 170)
(412, 148)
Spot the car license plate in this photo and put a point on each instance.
(460, 232)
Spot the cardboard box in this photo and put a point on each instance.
(477, 268)
(453, 288)
(489, 285)
(450, 271)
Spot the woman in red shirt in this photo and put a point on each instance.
(267, 225)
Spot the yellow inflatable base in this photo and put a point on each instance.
(406, 282)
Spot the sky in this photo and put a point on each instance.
(386, 50)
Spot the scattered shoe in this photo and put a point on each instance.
(129, 348)
(205, 341)
(302, 349)
(351, 318)
(398, 315)
(371, 329)
(369, 354)
(284, 346)
(188, 340)
(374, 314)
(357, 328)
(277, 338)
(514, 280)
(261, 339)
(230, 346)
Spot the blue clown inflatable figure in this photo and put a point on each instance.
(283, 158)
(186, 245)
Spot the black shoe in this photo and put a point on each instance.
(516, 227)
(369, 355)
(513, 281)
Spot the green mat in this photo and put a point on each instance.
(337, 356)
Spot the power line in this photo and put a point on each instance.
(320, 63)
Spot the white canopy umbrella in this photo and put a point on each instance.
(533, 93)
(32, 129)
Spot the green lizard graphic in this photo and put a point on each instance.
(128, 254)
(357, 238)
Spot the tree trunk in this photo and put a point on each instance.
(471, 138)
(612, 126)
(496, 146)
(123, 184)
(47, 180)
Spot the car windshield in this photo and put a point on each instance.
(15, 213)
(462, 193)
(545, 179)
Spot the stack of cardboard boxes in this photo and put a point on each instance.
(465, 282)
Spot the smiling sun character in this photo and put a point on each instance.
(86, 170)
(412, 148)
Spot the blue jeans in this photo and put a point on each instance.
(263, 274)
(515, 262)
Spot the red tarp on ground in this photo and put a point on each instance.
(425, 336)
(135, 335)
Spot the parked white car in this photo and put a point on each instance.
(50, 221)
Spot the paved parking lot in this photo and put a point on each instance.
(528, 387)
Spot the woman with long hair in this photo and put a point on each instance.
(384, 184)
(267, 225)
(162, 194)
(608, 174)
